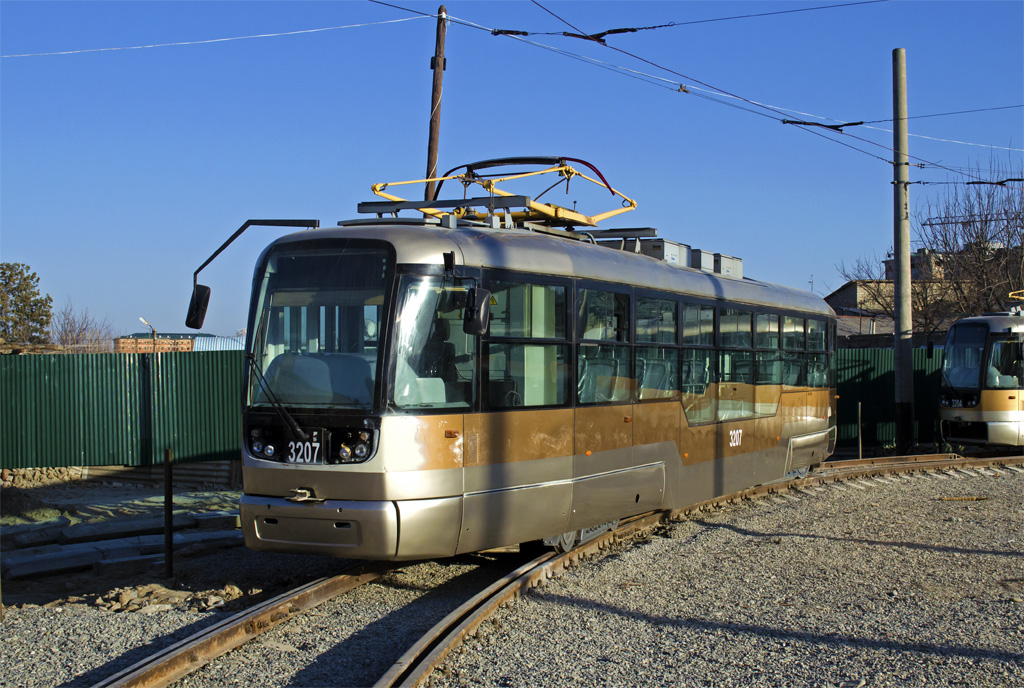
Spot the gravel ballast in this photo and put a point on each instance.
(879, 582)
(910, 581)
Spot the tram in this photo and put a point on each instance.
(496, 370)
(982, 390)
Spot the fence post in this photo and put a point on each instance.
(168, 516)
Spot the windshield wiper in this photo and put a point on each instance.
(265, 386)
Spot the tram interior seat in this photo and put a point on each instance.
(326, 378)
(653, 379)
(438, 356)
(993, 380)
(598, 380)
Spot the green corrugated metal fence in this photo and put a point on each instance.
(119, 409)
(867, 376)
(125, 409)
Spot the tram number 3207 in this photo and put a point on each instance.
(735, 438)
(304, 453)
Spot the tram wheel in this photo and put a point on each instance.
(566, 541)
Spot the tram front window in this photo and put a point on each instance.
(964, 352)
(316, 329)
(433, 359)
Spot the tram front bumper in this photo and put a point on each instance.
(379, 530)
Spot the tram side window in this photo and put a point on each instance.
(603, 365)
(697, 364)
(523, 369)
(816, 364)
(793, 340)
(1004, 365)
(655, 320)
(768, 364)
(434, 359)
(696, 373)
(735, 367)
(657, 367)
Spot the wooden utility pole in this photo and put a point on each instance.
(437, 65)
(904, 334)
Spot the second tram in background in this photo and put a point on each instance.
(500, 372)
(982, 393)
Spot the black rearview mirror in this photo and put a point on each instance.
(197, 307)
(478, 311)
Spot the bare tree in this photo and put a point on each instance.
(978, 230)
(77, 332)
(973, 236)
(930, 308)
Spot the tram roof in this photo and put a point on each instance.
(529, 251)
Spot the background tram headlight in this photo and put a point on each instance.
(257, 447)
(269, 451)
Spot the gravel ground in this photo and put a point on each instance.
(878, 583)
(893, 582)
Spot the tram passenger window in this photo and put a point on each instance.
(696, 373)
(792, 369)
(603, 316)
(816, 366)
(735, 385)
(767, 334)
(734, 328)
(815, 335)
(655, 320)
(603, 374)
(519, 309)
(434, 359)
(769, 368)
(699, 325)
(793, 333)
(657, 373)
(528, 374)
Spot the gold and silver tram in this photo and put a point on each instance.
(423, 388)
(982, 388)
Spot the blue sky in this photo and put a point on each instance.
(122, 170)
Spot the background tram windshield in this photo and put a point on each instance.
(976, 359)
(316, 336)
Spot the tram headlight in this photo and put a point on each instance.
(257, 447)
(361, 450)
(344, 452)
(269, 451)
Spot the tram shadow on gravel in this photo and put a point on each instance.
(138, 654)
(859, 541)
(776, 633)
(362, 658)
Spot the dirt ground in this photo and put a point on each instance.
(203, 578)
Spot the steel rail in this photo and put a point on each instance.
(188, 655)
(429, 653)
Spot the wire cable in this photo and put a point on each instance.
(214, 40)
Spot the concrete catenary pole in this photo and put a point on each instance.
(437, 64)
(904, 331)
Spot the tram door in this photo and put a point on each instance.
(603, 424)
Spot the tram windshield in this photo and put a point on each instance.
(434, 360)
(317, 319)
(974, 359)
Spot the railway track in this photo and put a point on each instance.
(429, 652)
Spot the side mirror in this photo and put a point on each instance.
(197, 307)
(478, 311)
